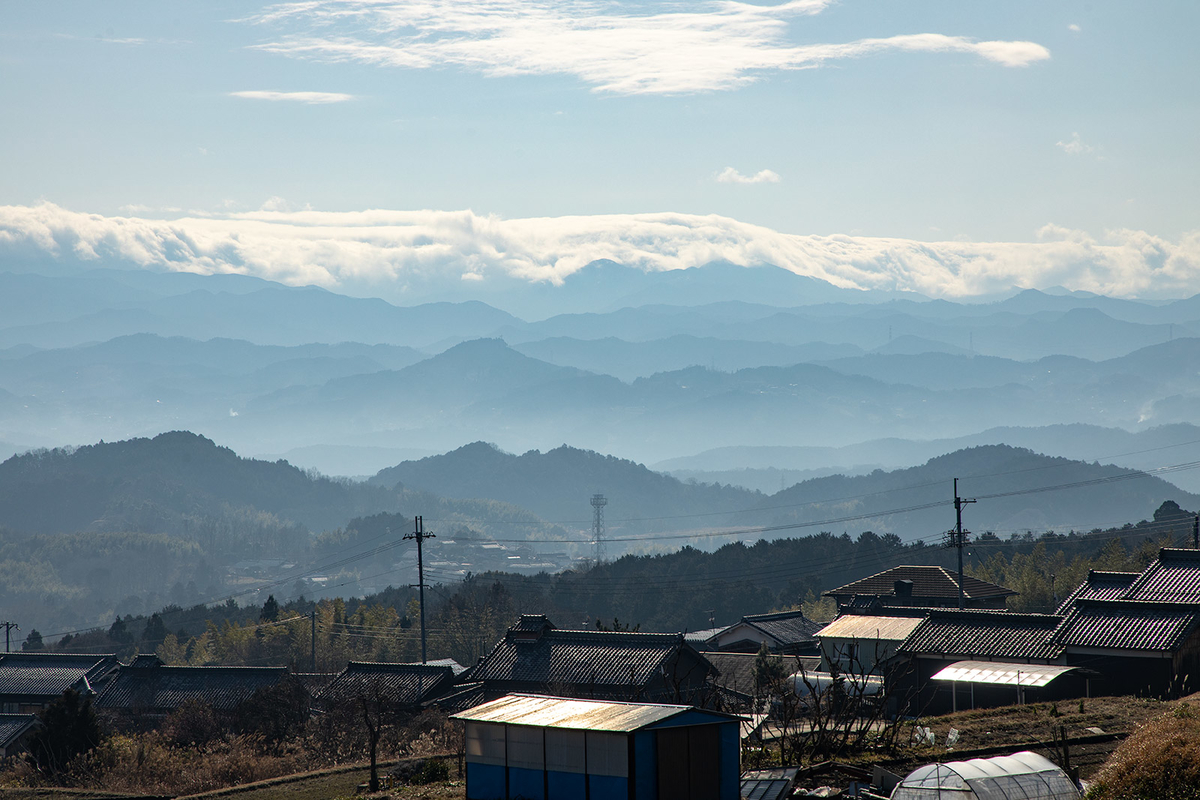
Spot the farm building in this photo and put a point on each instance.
(547, 748)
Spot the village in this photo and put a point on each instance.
(922, 682)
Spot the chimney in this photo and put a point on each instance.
(903, 588)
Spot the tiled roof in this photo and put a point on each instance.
(13, 726)
(406, 684)
(1173, 577)
(600, 658)
(464, 696)
(986, 634)
(927, 582)
(169, 687)
(736, 670)
(50, 674)
(1099, 585)
(315, 682)
(531, 623)
(698, 638)
(786, 627)
(1127, 625)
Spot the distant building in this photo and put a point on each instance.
(394, 684)
(555, 748)
(784, 632)
(920, 586)
(14, 728)
(31, 681)
(148, 688)
(536, 657)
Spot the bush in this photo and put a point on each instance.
(434, 770)
(1161, 760)
(193, 724)
(69, 729)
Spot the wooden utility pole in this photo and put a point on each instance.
(8, 626)
(420, 535)
(958, 538)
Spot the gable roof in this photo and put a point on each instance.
(1173, 577)
(1099, 585)
(885, 627)
(164, 687)
(1127, 624)
(786, 627)
(927, 582)
(14, 726)
(407, 684)
(595, 658)
(736, 670)
(50, 674)
(989, 634)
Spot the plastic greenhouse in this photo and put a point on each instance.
(1021, 776)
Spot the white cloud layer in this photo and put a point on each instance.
(1075, 146)
(311, 98)
(699, 47)
(388, 250)
(731, 175)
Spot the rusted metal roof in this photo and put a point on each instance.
(1128, 625)
(559, 712)
(869, 626)
(1000, 672)
(985, 634)
(927, 582)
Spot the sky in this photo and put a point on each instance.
(944, 147)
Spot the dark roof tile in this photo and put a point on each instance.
(405, 684)
(927, 582)
(985, 634)
(50, 674)
(1173, 577)
(169, 687)
(1127, 625)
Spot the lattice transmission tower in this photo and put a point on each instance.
(598, 504)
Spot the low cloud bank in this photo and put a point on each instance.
(389, 250)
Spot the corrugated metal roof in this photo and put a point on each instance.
(169, 687)
(559, 712)
(49, 674)
(990, 634)
(1127, 625)
(999, 672)
(866, 626)
(927, 582)
(1173, 577)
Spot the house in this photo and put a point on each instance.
(861, 644)
(393, 684)
(920, 586)
(31, 681)
(13, 730)
(547, 748)
(150, 688)
(534, 656)
(784, 632)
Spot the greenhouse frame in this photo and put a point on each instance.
(1021, 776)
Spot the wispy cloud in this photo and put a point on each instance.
(705, 46)
(1075, 146)
(1073, 27)
(731, 175)
(382, 252)
(311, 98)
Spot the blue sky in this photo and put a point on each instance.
(931, 122)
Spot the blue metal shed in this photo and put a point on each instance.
(556, 748)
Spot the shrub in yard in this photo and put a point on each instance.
(434, 770)
(193, 724)
(1160, 761)
(69, 729)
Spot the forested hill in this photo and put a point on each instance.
(167, 483)
(1018, 490)
(558, 484)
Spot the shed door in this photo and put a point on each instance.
(689, 763)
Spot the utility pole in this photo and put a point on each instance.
(1196, 532)
(8, 626)
(959, 502)
(313, 641)
(420, 535)
(598, 504)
